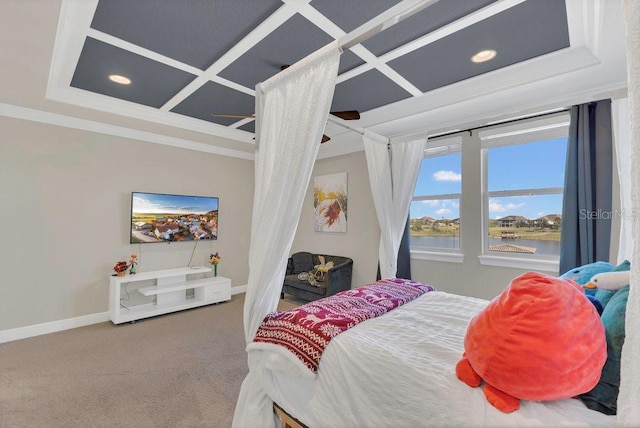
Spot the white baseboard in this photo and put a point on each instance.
(51, 327)
(238, 289)
(67, 324)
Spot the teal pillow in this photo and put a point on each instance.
(604, 295)
(604, 396)
(582, 274)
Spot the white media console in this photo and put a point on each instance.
(171, 288)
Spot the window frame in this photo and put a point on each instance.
(436, 148)
(525, 132)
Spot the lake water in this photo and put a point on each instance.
(544, 248)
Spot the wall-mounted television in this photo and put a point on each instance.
(160, 217)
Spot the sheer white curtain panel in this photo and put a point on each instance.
(622, 143)
(629, 395)
(292, 109)
(393, 170)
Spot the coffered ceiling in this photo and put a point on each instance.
(187, 61)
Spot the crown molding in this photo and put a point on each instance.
(55, 119)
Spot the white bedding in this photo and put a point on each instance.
(395, 370)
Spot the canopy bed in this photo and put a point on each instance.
(382, 372)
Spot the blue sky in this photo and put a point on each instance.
(159, 203)
(522, 166)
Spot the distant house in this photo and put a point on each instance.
(553, 221)
(196, 229)
(512, 221)
(199, 233)
(165, 232)
(141, 225)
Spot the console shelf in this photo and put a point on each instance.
(170, 291)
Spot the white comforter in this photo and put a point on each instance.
(395, 370)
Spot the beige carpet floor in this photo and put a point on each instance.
(177, 370)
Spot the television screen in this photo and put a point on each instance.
(157, 217)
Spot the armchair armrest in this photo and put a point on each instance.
(339, 277)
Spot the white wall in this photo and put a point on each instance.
(361, 240)
(65, 216)
(65, 212)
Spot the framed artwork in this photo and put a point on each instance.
(330, 202)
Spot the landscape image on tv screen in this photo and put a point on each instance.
(157, 217)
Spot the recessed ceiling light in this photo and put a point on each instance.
(483, 56)
(119, 79)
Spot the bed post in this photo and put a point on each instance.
(287, 420)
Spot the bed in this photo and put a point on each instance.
(397, 369)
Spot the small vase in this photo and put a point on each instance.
(215, 269)
(121, 273)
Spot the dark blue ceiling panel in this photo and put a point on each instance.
(214, 98)
(350, 18)
(198, 32)
(292, 41)
(366, 91)
(528, 30)
(348, 61)
(195, 32)
(428, 20)
(153, 83)
(249, 127)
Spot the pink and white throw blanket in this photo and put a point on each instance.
(307, 330)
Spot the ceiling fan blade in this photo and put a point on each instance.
(347, 114)
(234, 116)
(324, 139)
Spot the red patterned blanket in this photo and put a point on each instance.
(307, 330)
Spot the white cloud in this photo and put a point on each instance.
(432, 203)
(443, 211)
(447, 176)
(497, 207)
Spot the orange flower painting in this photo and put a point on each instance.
(330, 202)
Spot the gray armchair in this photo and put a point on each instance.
(338, 277)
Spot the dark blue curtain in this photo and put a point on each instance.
(586, 210)
(404, 256)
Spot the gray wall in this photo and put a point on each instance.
(361, 240)
(65, 216)
(65, 211)
(363, 233)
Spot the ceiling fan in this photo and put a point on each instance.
(344, 115)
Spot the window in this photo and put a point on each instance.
(435, 208)
(523, 169)
(509, 211)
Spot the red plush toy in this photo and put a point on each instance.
(540, 339)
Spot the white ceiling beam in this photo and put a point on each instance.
(138, 50)
(386, 19)
(73, 23)
(274, 21)
(447, 30)
(371, 61)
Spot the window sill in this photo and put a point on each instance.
(437, 256)
(521, 263)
